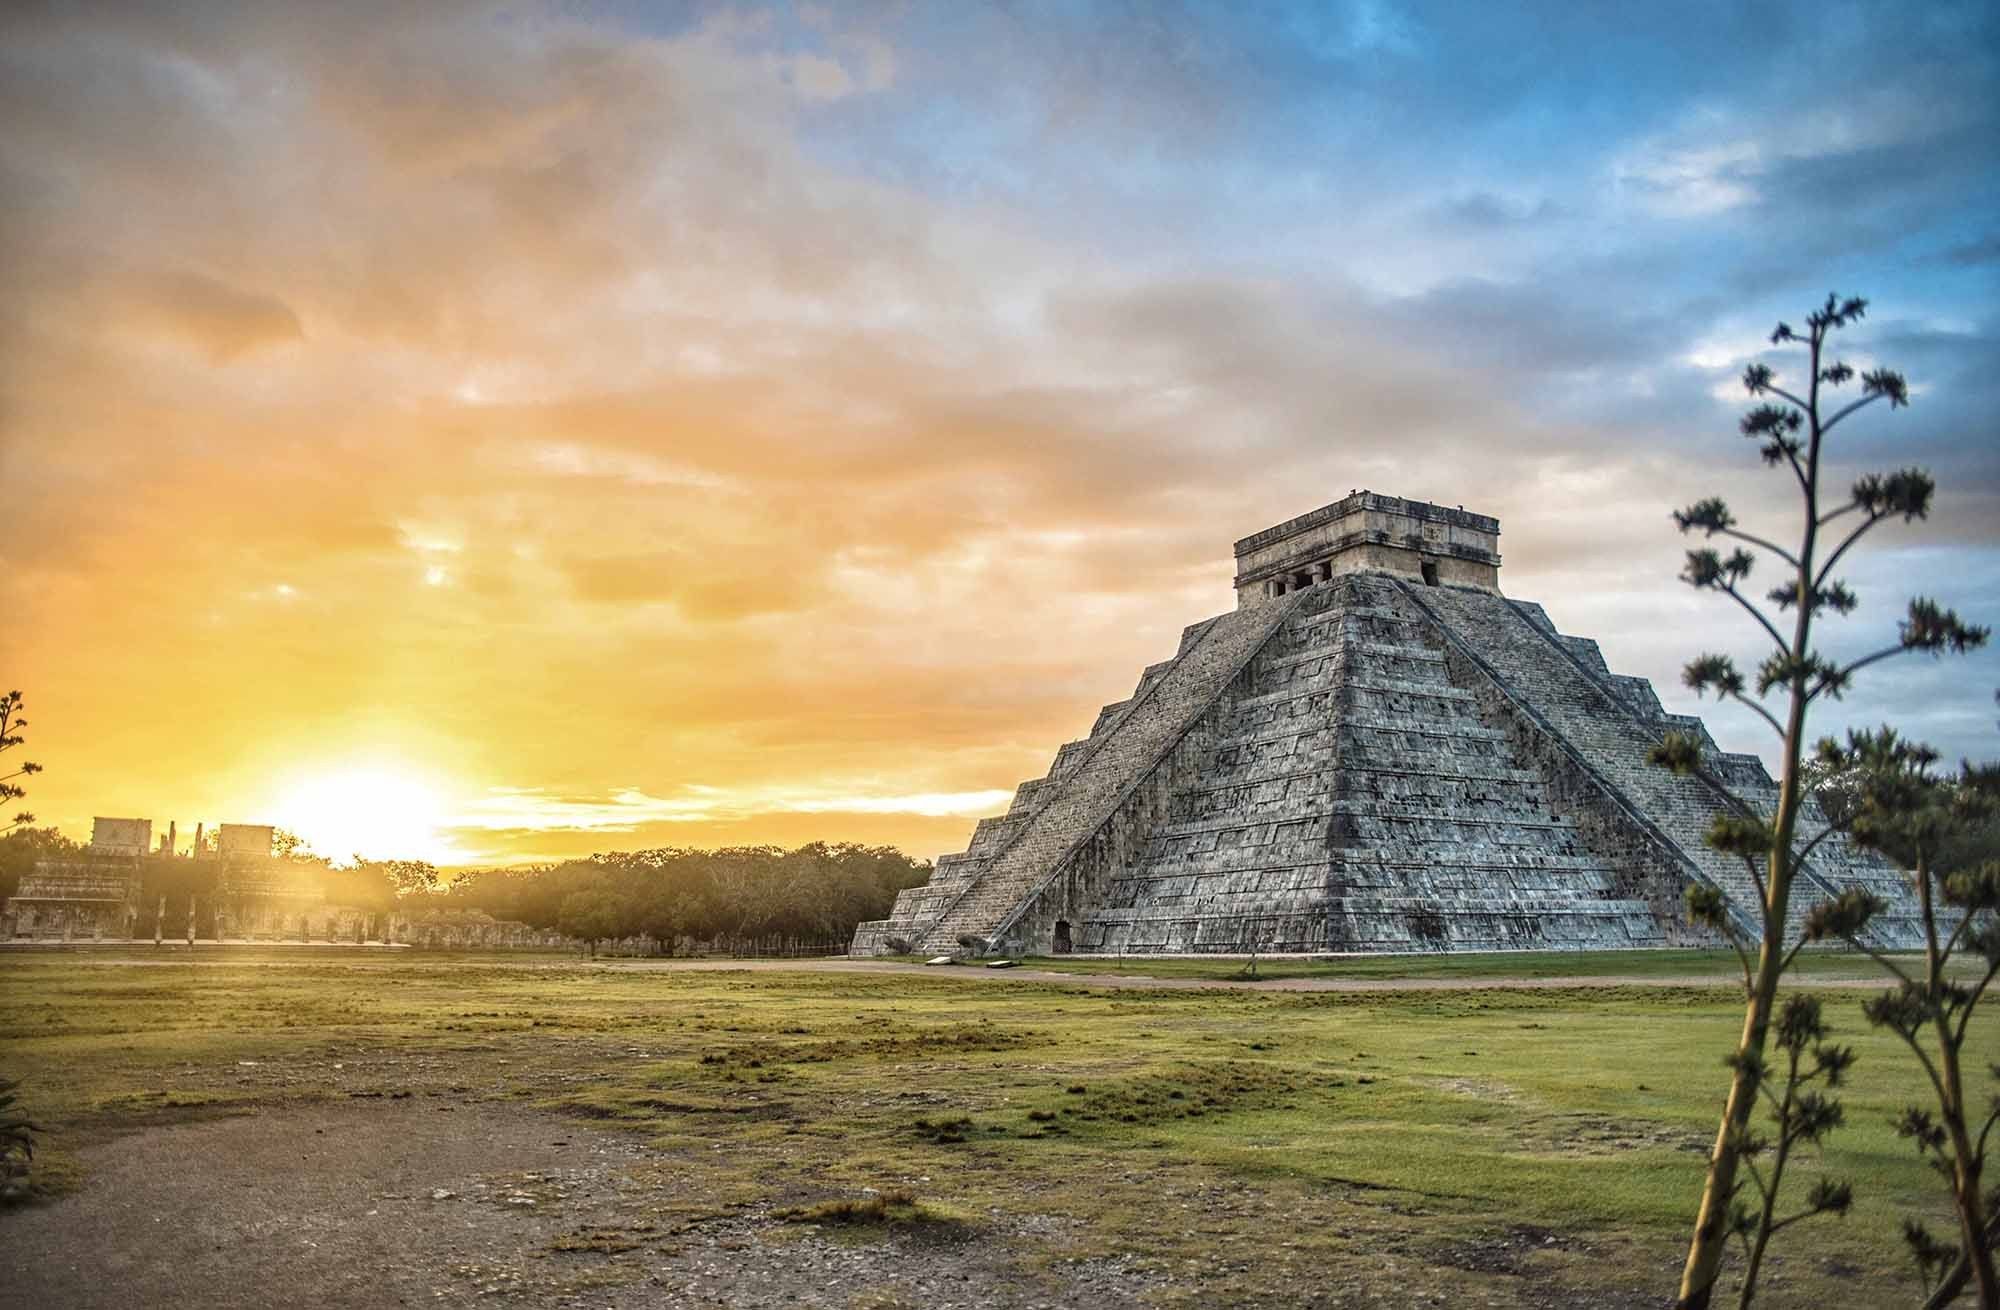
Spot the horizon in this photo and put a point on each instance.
(203, 830)
(491, 435)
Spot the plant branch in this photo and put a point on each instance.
(1972, 1002)
(1862, 663)
(1755, 1176)
(1957, 939)
(1758, 541)
(1755, 613)
(1799, 472)
(1847, 409)
(1923, 1057)
(1743, 960)
(1792, 954)
(1860, 529)
(1761, 712)
(1792, 1219)
(1882, 960)
(1959, 1274)
(1799, 858)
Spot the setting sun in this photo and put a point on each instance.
(374, 813)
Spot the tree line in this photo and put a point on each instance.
(674, 894)
(818, 891)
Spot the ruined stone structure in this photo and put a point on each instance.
(91, 897)
(1375, 751)
(246, 894)
(466, 930)
(263, 898)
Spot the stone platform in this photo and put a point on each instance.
(1376, 751)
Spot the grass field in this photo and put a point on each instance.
(1407, 1144)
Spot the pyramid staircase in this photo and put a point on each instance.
(1356, 802)
(1610, 723)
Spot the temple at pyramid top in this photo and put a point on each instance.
(1368, 532)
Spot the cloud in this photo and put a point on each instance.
(1968, 254)
(534, 810)
(576, 460)
(815, 77)
(223, 321)
(795, 417)
(1691, 181)
(1489, 210)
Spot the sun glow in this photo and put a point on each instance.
(375, 813)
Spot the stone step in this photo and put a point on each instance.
(1117, 759)
(1331, 807)
(1596, 724)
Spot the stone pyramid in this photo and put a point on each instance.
(1375, 751)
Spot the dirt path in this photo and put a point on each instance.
(416, 1203)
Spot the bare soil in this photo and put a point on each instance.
(414, 1202)
(423, 1201)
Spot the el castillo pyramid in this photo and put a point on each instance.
(1376, 750)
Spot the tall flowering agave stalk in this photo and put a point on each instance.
(1790, 422)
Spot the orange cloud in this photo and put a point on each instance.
(221, 320)
(539, 404)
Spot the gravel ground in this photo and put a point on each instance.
(416, 1203)
(420, 1201)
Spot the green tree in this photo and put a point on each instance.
(404, 877)
(816, 890)
(1922, 822)
(289, 846)
(1790, 425)
(11, 724)
(591, 916)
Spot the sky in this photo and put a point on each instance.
(490, 433)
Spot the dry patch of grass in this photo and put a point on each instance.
(601, 1241)
(894, 1206)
